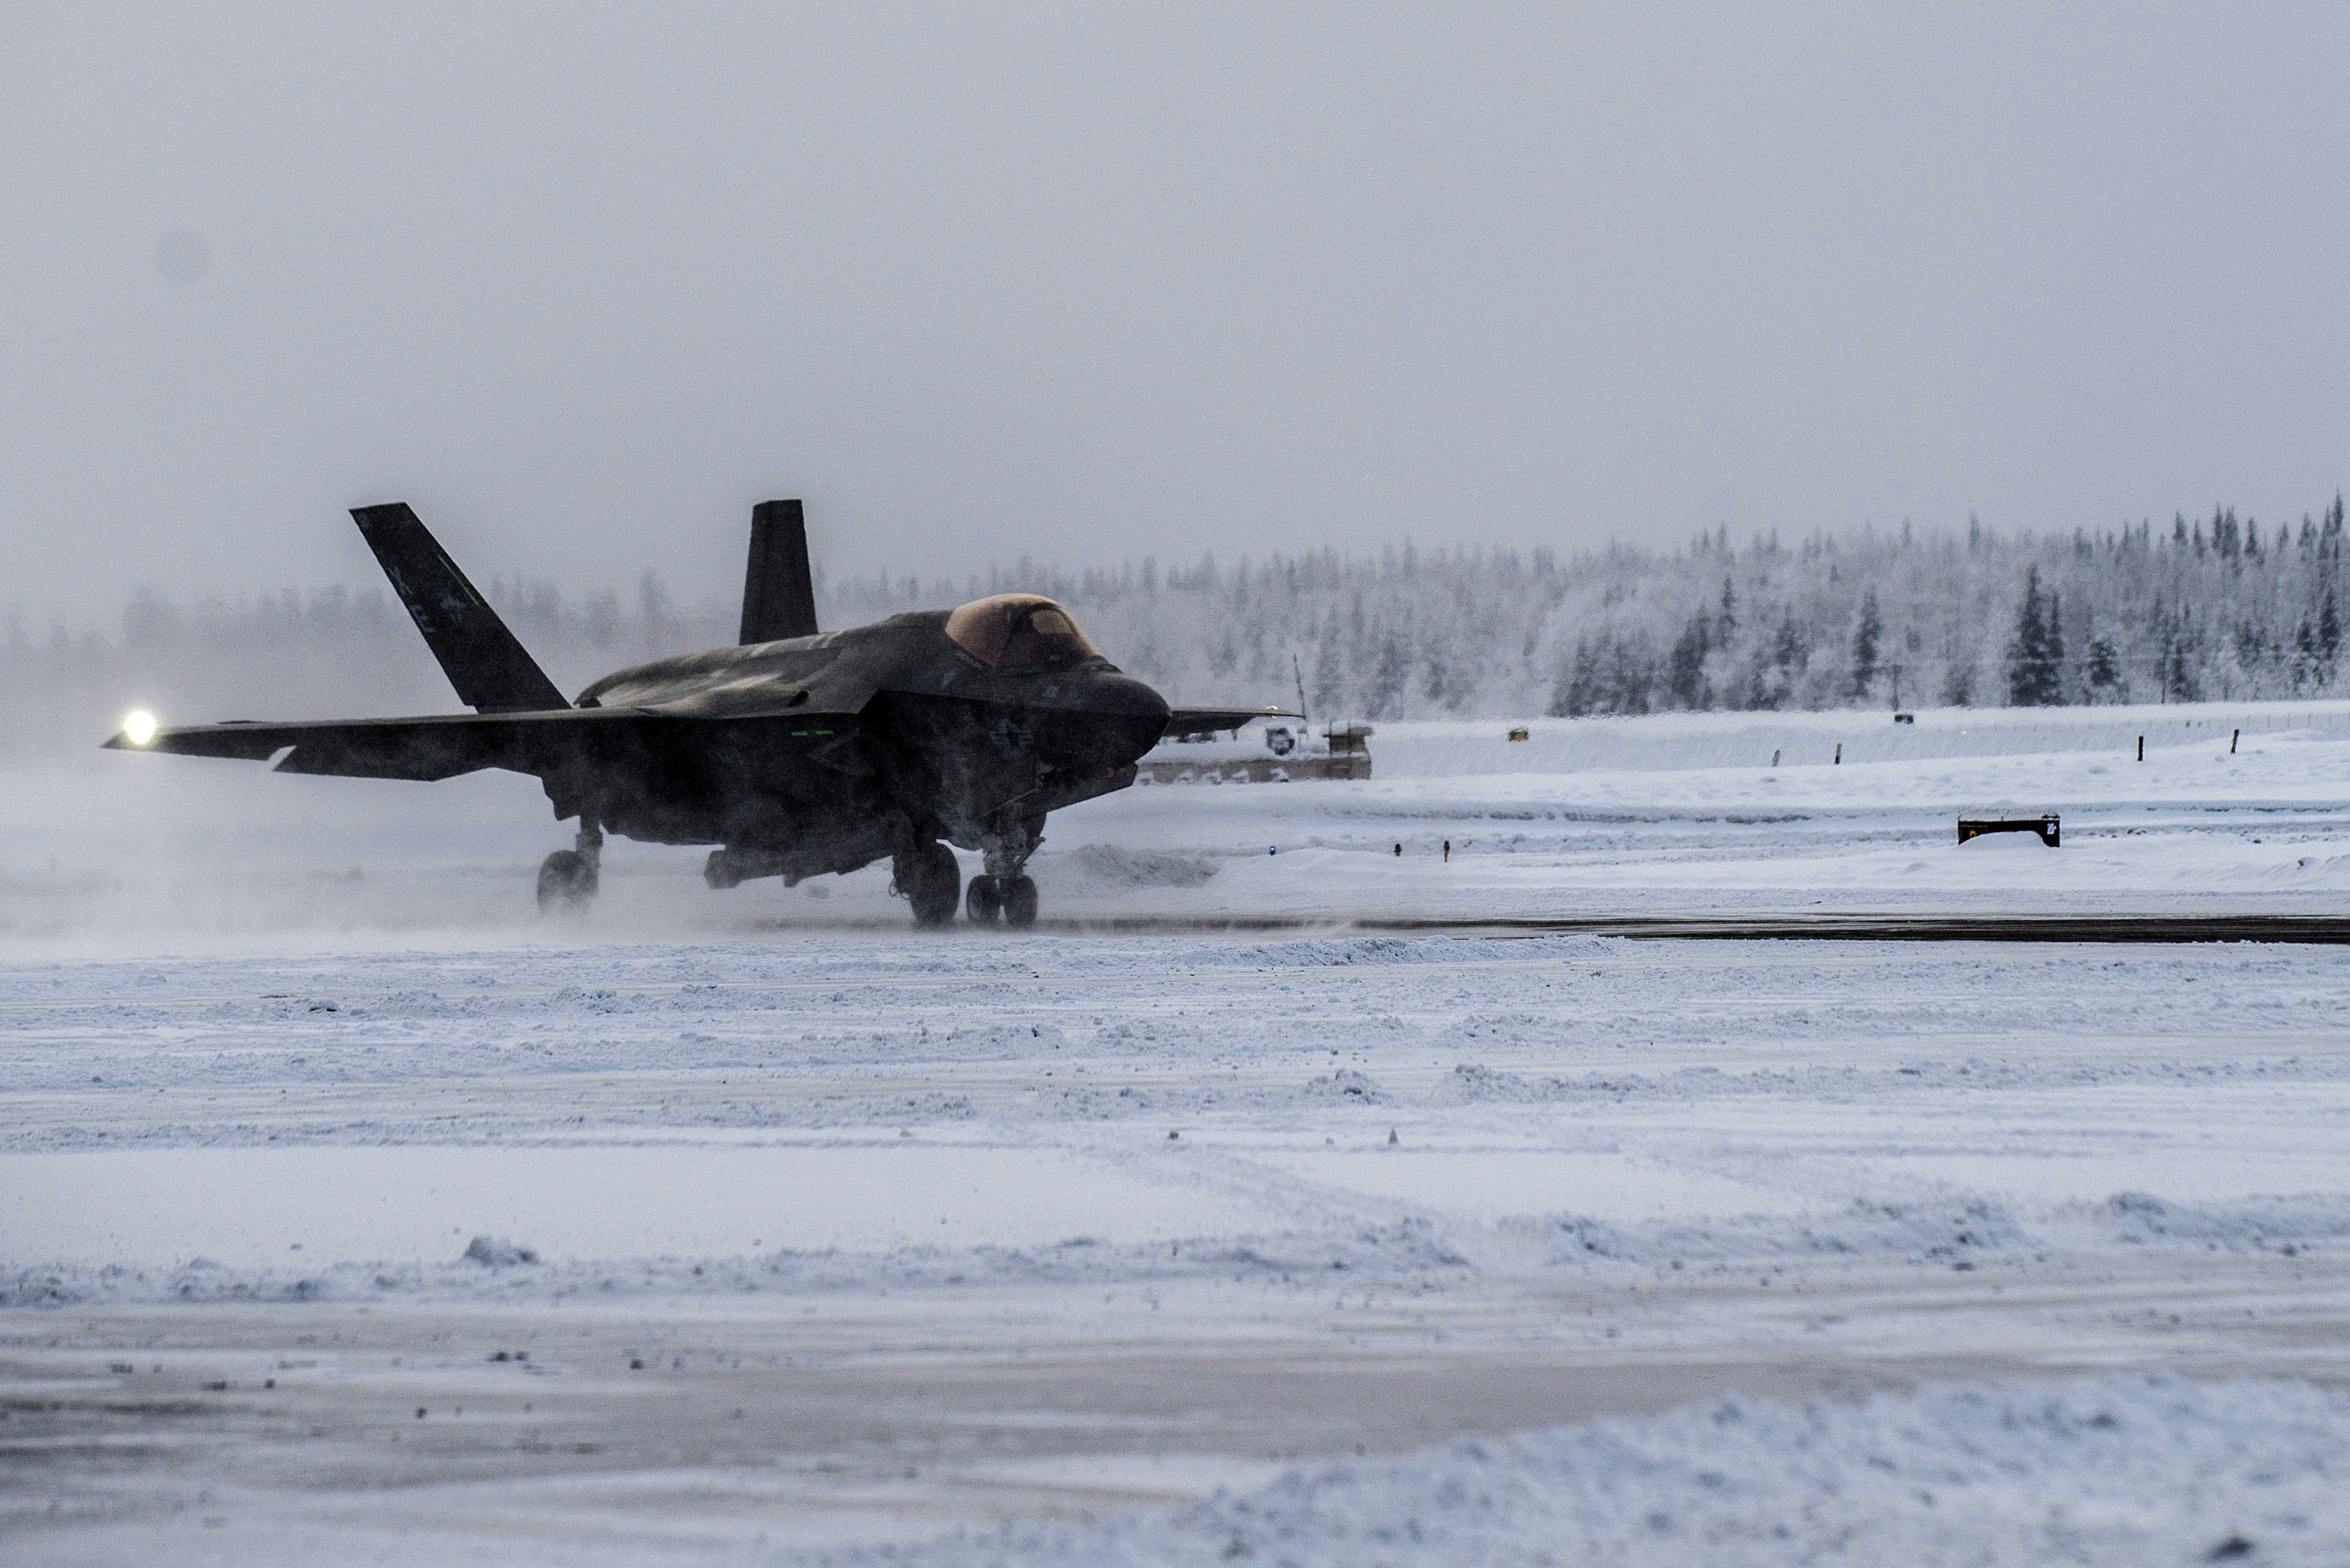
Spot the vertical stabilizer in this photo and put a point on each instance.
(778, 591)
(489, 668)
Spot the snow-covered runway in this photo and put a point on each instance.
(926, 1188)
(363, 1221)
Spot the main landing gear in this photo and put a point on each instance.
(930, 879)
(567, 878)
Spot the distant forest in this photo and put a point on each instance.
(2212, 608)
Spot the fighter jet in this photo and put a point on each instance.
(797, 753)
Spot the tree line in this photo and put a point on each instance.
(2207, 607)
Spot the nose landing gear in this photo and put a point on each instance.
(1004, 890)
(1012, 900)
(568, 878)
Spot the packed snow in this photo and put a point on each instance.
(734, 1226)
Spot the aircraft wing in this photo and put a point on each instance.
(440, 746)
(550, 745)
(1208, 721)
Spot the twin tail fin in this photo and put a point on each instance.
(778, 589)
(489, 667)
(483, 661)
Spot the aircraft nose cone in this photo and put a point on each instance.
(1115, 719)
(1126, 697)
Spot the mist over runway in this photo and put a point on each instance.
(1590, 823)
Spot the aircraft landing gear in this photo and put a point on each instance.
(1012, 900)
(567, 878)
(1003, 889)
(930, 879)
(1020, 902)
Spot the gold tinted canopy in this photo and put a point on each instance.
(1019, 631)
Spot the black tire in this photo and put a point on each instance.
(1020, 903)
(932, 882)
(565, 881)
(983, 901)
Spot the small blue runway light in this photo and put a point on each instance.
(1272, 848)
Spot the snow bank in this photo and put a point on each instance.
(2131, 1471)
(1385, 1251)
(1954, 1230)
(2290, 1225)
(1959, 1231)
(497, 1253)
(1109, 864)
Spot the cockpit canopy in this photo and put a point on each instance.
(1019, 631)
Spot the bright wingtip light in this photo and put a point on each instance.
(139, 728)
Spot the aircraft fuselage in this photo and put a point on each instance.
(843, 744)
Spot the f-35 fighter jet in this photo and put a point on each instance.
(797, 753)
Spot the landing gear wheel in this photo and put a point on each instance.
(1019, 903)
(984, 900)
(566, 881)
(932, 881)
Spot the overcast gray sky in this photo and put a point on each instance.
(584, 283)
